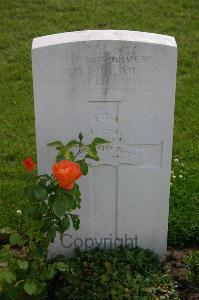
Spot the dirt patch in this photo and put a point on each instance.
(179, 273)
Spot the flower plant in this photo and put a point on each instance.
(24, 267)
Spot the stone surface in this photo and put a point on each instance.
(119, 85)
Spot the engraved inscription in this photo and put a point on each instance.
(104, 68)
(106, 126)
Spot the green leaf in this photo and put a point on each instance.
(75, 221)
(78, 202)
(51, 272)
(7, 275)
(60, 148)
(71, 144)
(46, 226)
(64, 224)
(92, 152)
(62, 266)
(55, 143)
(83, 166)
(32, 246)
(40, 252)
(60, 206)
(61, 151)
(16, 239)
(6, 230)
(4, 251)
(51, 234)
(43, 208)
(76, 190)
(40, 193)
(70, 156)
(23, 264)
(48, 273)
(99, 141)
(71, 203)
(30, 287)
(59, 158)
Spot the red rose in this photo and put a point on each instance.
(66, 172)
(29, 164)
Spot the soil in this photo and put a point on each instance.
(179, 273)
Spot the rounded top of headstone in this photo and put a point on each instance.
(97, 35)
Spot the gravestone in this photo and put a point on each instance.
(118, 85)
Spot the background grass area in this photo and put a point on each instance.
(22, 20)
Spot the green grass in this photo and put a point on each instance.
(22, 20)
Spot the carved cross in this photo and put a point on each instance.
(119, 153)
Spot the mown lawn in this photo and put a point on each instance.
(22, 20)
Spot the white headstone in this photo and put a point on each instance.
(119, 85)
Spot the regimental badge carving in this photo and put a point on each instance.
(118, 151)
